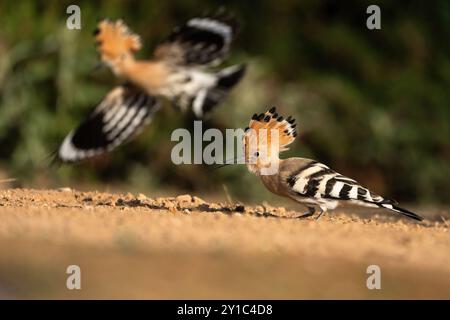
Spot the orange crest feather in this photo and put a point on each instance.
(271, 120)
(115, 38)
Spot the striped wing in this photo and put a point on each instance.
(201, 41)
(316, 180)
(122, 114)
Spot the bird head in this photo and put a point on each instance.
(116, 44)
(267, 135)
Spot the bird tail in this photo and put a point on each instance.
(402, 211)
(208, 98)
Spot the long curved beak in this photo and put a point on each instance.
(98, 66)
(228, 162)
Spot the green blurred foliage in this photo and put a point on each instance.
(374, 105)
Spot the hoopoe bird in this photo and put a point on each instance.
(305, 181)
(178, 72)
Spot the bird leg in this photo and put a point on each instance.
(320, 214)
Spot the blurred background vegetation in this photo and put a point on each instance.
(374, 105)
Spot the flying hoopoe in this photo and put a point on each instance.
(177, 72)
(306, 181)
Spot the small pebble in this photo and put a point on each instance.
(142, 197)
(197, 200)
(184, 198)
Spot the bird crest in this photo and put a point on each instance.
(267, 135)
(270, 129)
(115, 39)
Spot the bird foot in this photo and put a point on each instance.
(320, 215)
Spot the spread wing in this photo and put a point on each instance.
(201, 41)
(122, 114)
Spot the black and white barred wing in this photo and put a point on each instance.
(122, 114)
(317, 180)
(322, 184)
(201, 41)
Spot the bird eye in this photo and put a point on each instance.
(257, 153)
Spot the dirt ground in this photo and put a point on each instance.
(133, 246)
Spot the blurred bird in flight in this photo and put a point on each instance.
(306, 181)
(178, 72)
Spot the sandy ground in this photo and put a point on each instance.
(132, 246)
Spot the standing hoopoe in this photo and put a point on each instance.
(306, 181)
(177, 72)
